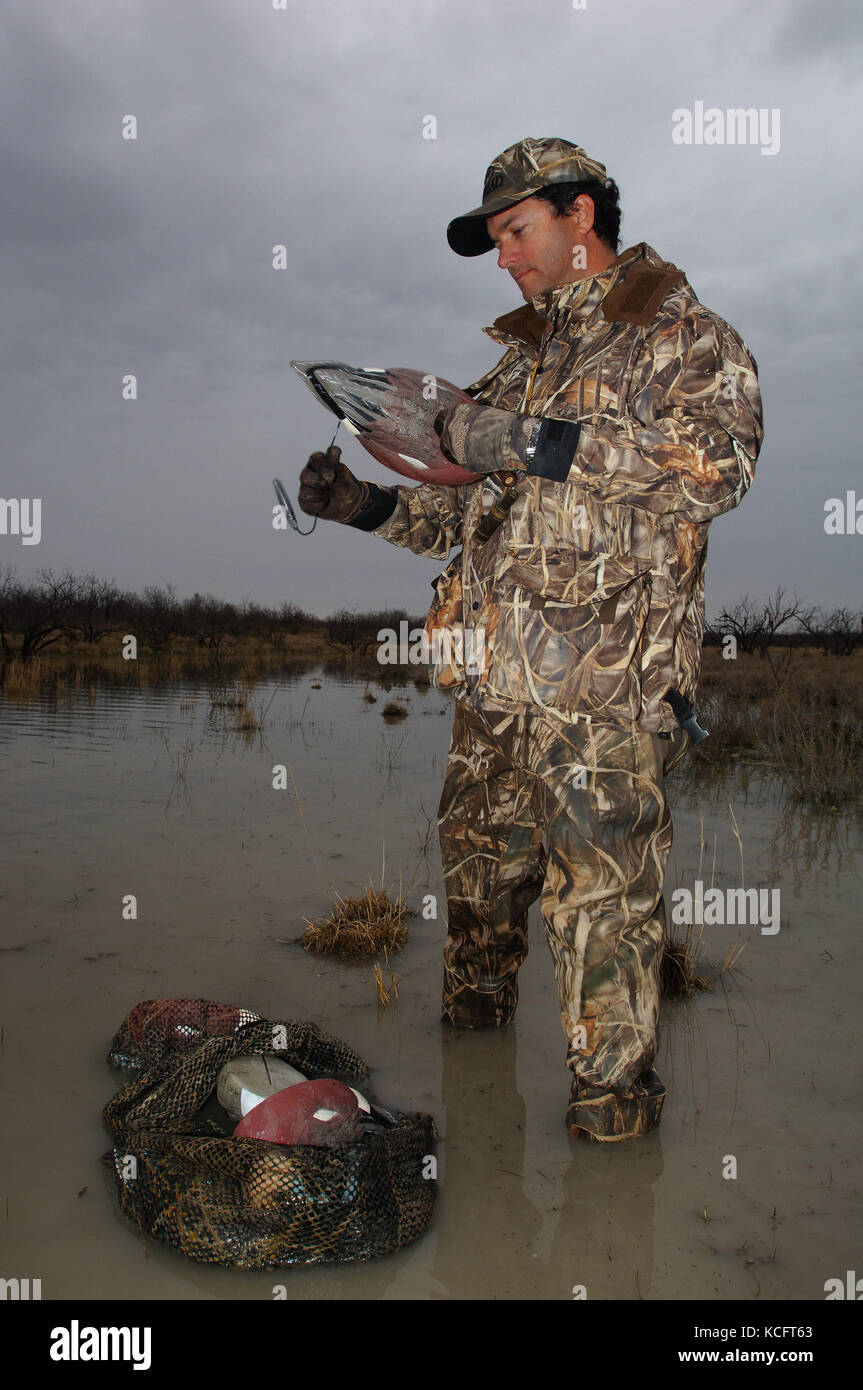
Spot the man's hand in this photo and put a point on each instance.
(329, 489)
(482, 438)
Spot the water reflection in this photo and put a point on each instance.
(809, 843)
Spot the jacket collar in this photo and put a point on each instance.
(573, 303)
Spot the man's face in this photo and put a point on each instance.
(539, 249)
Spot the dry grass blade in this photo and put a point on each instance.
(394, 979)
(383, 992)
(679, 972)
(734, 953)
(739, 840)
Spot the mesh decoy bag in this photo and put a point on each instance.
(183, 1179)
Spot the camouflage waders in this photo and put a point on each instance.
(576, 815)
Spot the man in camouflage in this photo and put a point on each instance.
(622, 417)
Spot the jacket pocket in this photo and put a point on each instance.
(445, 633)
(570, 633)
(574, 577)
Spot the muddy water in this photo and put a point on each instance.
(109, 793)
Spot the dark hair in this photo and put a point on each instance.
(606, 208)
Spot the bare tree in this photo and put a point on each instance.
(348, 631)
(154, 616)
(292, 619)
(96, 609)
(209, 620)
(254, 620)
(837, 633)
(846, 630)
(8, 584)
(776, 613)
(38, 614)
(741, 622)
(756, 625)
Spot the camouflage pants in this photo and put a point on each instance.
(575, 815)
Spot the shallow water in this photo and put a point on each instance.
(111, 792)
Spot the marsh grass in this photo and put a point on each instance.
(679, 973)
(363, 926)
(385, 996)
(683, 970)
(794, 712)
(23, 680)
(815, 743)
(230, 697)
(394, 709)
(232, 704)
(179, 760)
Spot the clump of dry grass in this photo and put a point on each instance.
(359, 926)
(233, 699)
(386, 996)
(394, 709)
(246, 720)
(230, 697)
(369, 698)
(679, 972)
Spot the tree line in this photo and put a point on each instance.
(784, 621)
(36, 614)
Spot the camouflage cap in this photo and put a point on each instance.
(518, 173)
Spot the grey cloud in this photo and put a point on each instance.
(304, 127)
(831, 29)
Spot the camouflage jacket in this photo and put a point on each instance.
(588, 601)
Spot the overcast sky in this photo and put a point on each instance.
(303, 125)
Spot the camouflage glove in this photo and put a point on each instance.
(329, 489)
(482, 438)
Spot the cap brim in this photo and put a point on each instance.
(467, 235)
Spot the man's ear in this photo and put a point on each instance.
(583, 210)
